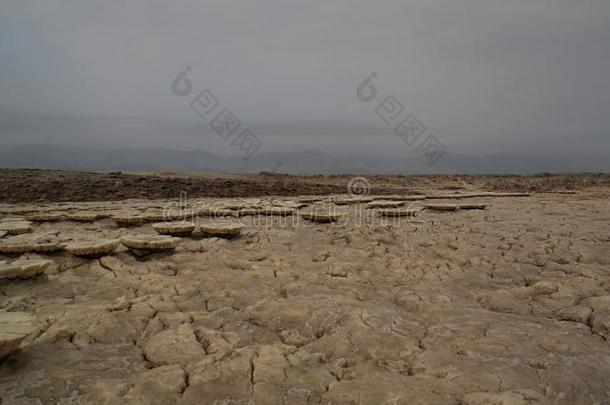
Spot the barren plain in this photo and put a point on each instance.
(420, 290)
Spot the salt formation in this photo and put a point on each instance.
(22, 269)
(14, 327)
(279, 211)
(221, 230)
(442, 207)
(128, 219)
(174, 228)
(94, 248)
(385, 204)
(41, 243)
(397, 212)
(15, 226)
(84, 216)
(473, 206)
(45, 216)
(322, 217)
(150, 242)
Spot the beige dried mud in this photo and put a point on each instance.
(442, 207)
(385, 204)
(15, 227)
(397, 212)
(84, 216)
(174, 228)
(510, 194)
(510, 307)
(404, 197)
(278, 211)
(321, 217)
(352, 200)
(248, 211)
(458, 196)
(125, 220)
(221, 230)
(473, 206)
(40, 243)
(14, 327)
(215, 212)
(93, 248)
(23, 269)
(309, 200)
(291, 204)
(46, 217)
(154, 216)
(154, 243)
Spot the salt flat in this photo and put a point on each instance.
(509, 304)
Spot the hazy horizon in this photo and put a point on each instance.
(489, 78)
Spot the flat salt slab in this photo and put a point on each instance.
(385, 204)
(150, 242)
(412, 197)
(174, 228)
(128, 219)
(203, 211)
(93, 248)
(215, 212)
(170, 215)
(221, 230)
(290, 204)
(45, 217)
(510, 194)
(351, 201)
(473, 206)
(403, 197)
(16, 227)
(442, 207)
(321, 217)
(248, 211)
(30, 243)
(22, 269)
(397, 212)
(309, 200)
(83, 216)
(8, 220)
(279, 211)
(223, 212)
(241, 206)
(14, 327)
(458, 196)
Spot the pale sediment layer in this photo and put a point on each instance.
(507, 305)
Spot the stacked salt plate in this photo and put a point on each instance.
(15, 226)
(14, 327)
(26, 243)
(174, 228)
(22, 269)
(141, 245)
(92, 248)
(222, 230)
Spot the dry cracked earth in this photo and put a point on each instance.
(507, 305)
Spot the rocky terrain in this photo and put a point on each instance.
(34, 185)
(429, 290)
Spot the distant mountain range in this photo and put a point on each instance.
(306, 162)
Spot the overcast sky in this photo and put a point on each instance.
(516, 76)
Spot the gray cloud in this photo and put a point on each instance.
(484, 77)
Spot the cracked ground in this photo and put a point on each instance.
(510, 305)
